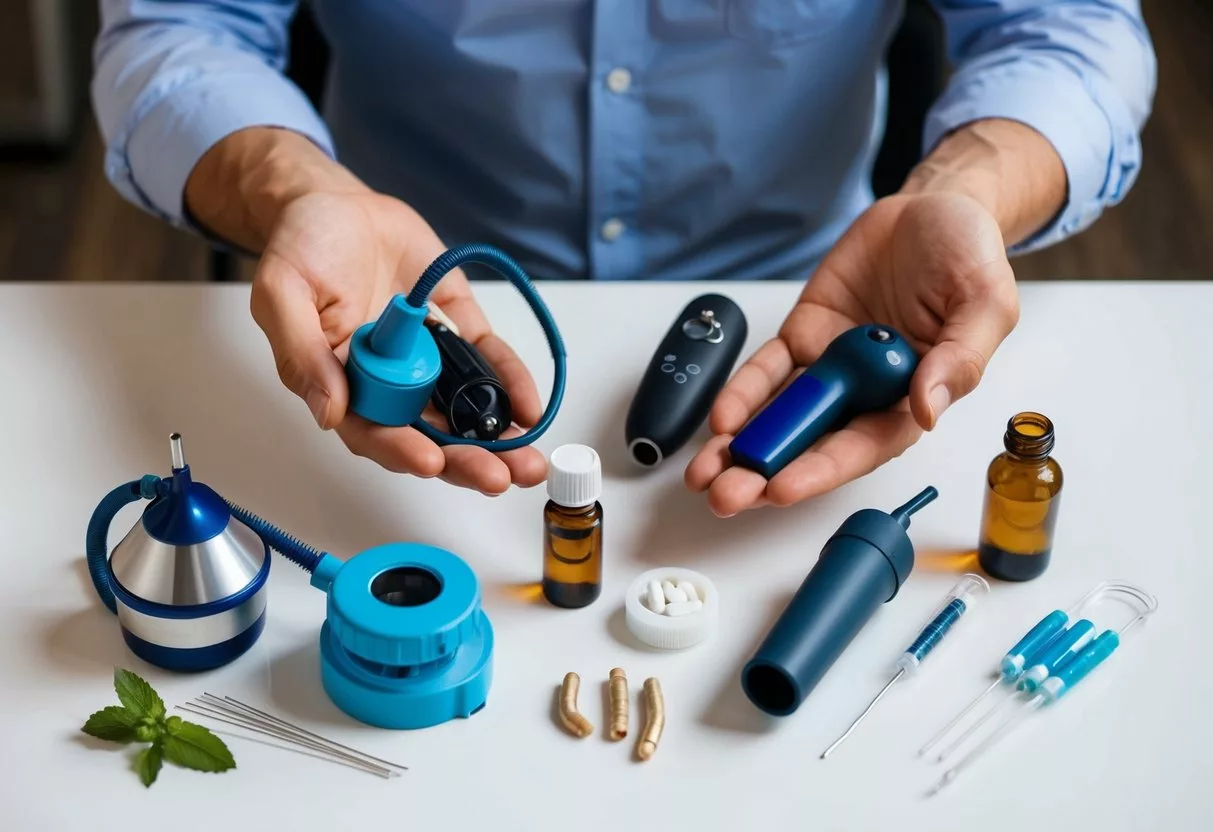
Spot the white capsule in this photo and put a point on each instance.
(655, 599)
(683, 608)
(689, 588)
(673, 595)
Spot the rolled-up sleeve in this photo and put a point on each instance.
(171, 79)
(1080, 72)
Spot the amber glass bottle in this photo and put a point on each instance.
(572, 528)
(1023, 491)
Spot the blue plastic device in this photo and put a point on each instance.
(405, 643)
(865, 369)
(187, 582)
(394, 362)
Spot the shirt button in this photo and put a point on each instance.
(618, 80)
(611, 229)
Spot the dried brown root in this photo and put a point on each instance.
(654, 719)
(619, 704)
(577, 724)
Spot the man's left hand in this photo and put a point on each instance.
(934, 267)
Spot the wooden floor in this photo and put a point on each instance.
(61, 220)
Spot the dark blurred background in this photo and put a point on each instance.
(61, 220)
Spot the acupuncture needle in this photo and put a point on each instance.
(300, 735)
(252, 725)
(304, 751)
(321, 751)
(294, 727)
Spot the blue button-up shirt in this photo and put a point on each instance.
(619, 139)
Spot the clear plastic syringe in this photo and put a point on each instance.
(1052, 689)
(960, 600)
(1042, 650)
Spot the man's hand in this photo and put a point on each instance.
(930, 262)
(932, 267)
(333, 253)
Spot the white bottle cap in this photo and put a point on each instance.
(665, 631)
(575, 476)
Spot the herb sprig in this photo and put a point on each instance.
(142, 718)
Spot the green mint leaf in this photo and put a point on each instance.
(137, 695)
(193, 746)
(114, 723)
(148, 762)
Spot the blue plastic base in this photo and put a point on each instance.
(193, 660)
(454, 687)
(391, 391)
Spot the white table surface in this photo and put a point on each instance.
(95, 377)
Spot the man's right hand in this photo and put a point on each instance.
(333, 252)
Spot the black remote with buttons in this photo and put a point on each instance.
(689, 368)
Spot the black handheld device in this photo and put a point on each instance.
(468, 393)
(687, 370)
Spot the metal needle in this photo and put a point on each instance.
(306, 732)
(250, 725)
(860, 718)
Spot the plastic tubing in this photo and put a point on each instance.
(289, 547)
(96, 550)
(499, 262)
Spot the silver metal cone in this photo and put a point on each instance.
(188, 575)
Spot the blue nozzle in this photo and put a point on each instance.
(902, 513)
(395, 333)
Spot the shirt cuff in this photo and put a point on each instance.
(187, 116)
(1082, 118)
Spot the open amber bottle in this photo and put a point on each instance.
(1023, 492)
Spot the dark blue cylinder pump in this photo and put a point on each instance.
(861, 567)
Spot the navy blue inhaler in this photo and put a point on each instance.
(864, 369)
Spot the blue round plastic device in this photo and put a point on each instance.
(406, 643)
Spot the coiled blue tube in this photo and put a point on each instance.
(291, 548)
(96, 550)
(501, 263)
(934, 632)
